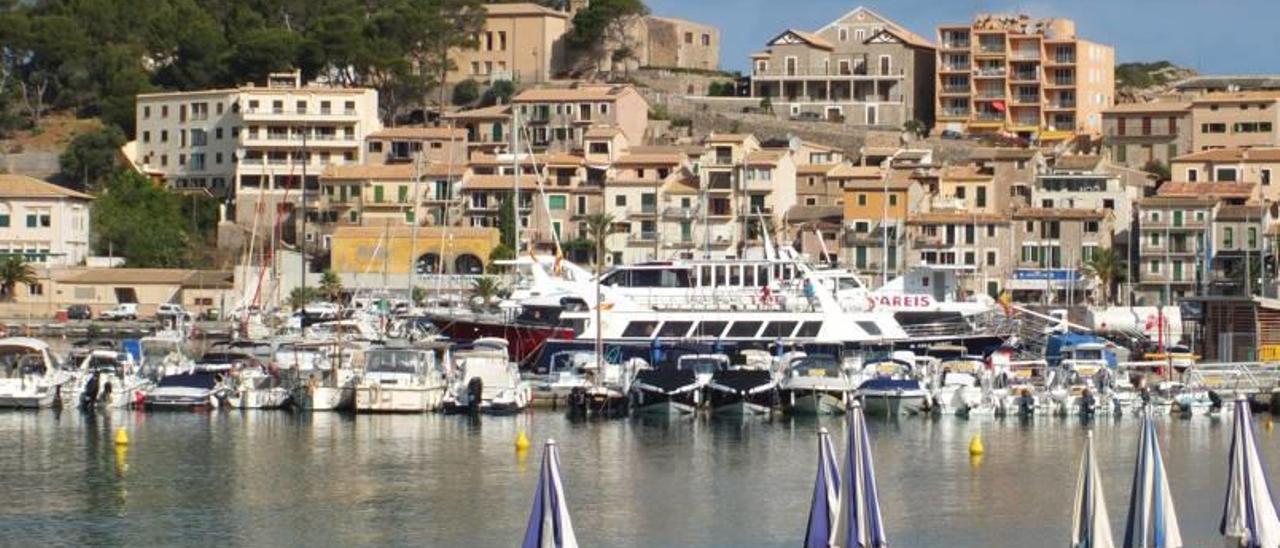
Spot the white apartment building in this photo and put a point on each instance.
(42, 222)
(251, 141)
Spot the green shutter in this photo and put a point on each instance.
(31, 221)
(377, 194)
(404, 194)
(557, 203)
(4, 221)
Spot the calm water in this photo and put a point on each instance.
(274, 478)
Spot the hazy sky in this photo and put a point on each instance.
(1212, 36)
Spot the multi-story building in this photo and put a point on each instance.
(1051, 245)
(1135, 134)
(966, 188)
(1032, 77)
(632, 196)
(875, 215)
(488, 128)
(522, 41)
(1238, 241)
(43, 223)
(976, 244)
(1171, 246)
(721, 170)
(1237, 119)
(559, 205)
(398, 194)
(1260, 166)
(814, 186)
(420, 144)
(1080, 183)
(1013, 171)
(666, 42)
(768, 190)
(860, 69)
(558, 119)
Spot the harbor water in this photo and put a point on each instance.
(282, 479)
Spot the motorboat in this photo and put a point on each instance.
(486, 381)
(1018, 389)
(564, 373)
(322, 374)
(356, 330)
(29, 375)
(163, 353)
(666, 391)
(1083, 378)
(814, 385)
(403, 379)
(195, 389)
(742, 390)
(959, 387)
(107, 379)
(890, 387)
(249, 382)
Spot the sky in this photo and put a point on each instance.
(1210, 36)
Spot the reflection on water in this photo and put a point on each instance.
(272, 478)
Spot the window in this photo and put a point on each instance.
(1213, 128)
(35, 289)
(991, 258)
(620, 200)
(744, 329)
(809, 330)
(991, 231)
(1228, 237)
(1153, 267)
(893, 200)
(844, 34)
(164, 136)
(982, 196)
(862, 199)
(969, 258)
(779, 329)
(710, 329)
(1266, 176)
(706, 39)
(1091, 227)
(559, 202)
(640, 329)
(1193, 175)
(870, 327)
(1121, 153)
(146, 112)
(1226, 174)
(1253, 237)
(675, 329)
(688, 37)
(402, 194)
(377, 194)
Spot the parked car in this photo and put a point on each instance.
(79, 312)
(951, 134)
(122, 311)
(168, 311)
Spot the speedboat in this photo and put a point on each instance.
(487, 381)
(1018, 390)
(891, 389)
(29, 376)
(959, 387)
(107, 379)
(249, 383)
(814, 385)
(402, 380)
(565, 372)
(196, 389)
(667, 391)
(323, 375)
(742, 391)
(1083, 379)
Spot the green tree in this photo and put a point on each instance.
(507, 222)
(599, 227)
(916, 127)
(331, 286)
(1158, 170)
(302, 296)
(14, 271)
(502, 252)
(466, 92)
(602, 25)
(499, 92)
(1108, 268)
(486, 289)
(766, 105)
(140, 221)
(91, 157)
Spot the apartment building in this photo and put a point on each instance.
(632, 195)
(417, 144)
(966, 188)
(1050, 248)
(559, 206)
(1031, 77)
(875, 212)
(1080, 183)
(43, 223)
(522, 42)
(488, 128)
(558, 119)
(254, 144)
(397, 194)
(861, 69)
(721, 170)
(814, 186)
(667, 42)
(1013, 170)
(1171, 246)
(977, 245)
(1236, 119)
(1135, 134)
(1259, 166)
(1238, 240)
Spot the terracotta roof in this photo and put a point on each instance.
(1077, 162)
(813, 39)
(877, 184)
(906, 36)
(683, 150)
(132, 276)
(1236, 97)
(1177, 201)
(1240, 213)
(602, 132)
(1268, 154)
(954, 217)
(486, 113)
(763, 158)
(21, 186)
(523, 8)
(1003, 153)
(404, 172)
(210, 279)
(814, 169)
(846, 171)
(1150, 106)
(727, 137)
(419, 133)
(586, 93)
(1059, 213)
(649, 159)
(681, 185)
(561, 160)
(963, 173)
(1207, 190)
(498, 182)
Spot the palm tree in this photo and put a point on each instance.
(14, 271)
(599, 226)
(302, 296)
(331, 286)
(1108, 268)
(486, 288)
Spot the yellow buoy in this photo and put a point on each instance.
(122, 436)
(1269, 423)
(975, 446)
(522, 442)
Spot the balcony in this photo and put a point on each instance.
(955, 113)
(647, 210)
(1025, 55)
(681, 243)
(927, 241)
(318, 115)
(1061, 105)
(948, 202)
(1025, 76)
(680, 213)
(1026, 100)
(719, 213)
(989, 117)
(990, 72)
(990, 94)
(955, 90)
(861, 72)
(722, 160)
(642, 238)
(956, 67)
(1061, 60)
(956, 43)
(986, 47)
(1061, 82)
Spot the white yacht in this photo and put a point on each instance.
(196, 389)
(106, 379)
(892, 388)
(29, 374)
(486, 381)
(1082, 379)
(163, 353)
(959, 387)
(323, 374)
(814, 385)
(403, 379)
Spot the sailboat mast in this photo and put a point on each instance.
(302, 235)
(515, 177)
(413, 232)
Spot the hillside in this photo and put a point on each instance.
(1140, 81)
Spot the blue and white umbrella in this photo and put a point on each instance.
(826, 495)
(1152, 521)
(1090, 527)
(859, 524)
(549, 523)
(1249, 513)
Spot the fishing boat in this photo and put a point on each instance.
(29, 375)
(814, 385)
(890, 387)
(403, 379)
(742, 391)
(486, 381)
(1018, 389)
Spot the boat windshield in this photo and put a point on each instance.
(1085, 354)
(702, 366)
(199, 379)
(393, 361)
(815, 366)
(16, 365)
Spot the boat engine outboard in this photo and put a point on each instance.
(475, 390)
(89, 396)
(1215, 401)
(1026, 404)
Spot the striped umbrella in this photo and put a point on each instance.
(1090, 527)
(826, 495)
(549, 523)
(859, 524)
(1249, 513)
(1152, 521)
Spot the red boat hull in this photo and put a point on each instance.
(524, 341)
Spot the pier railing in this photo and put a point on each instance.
(1225, 377)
